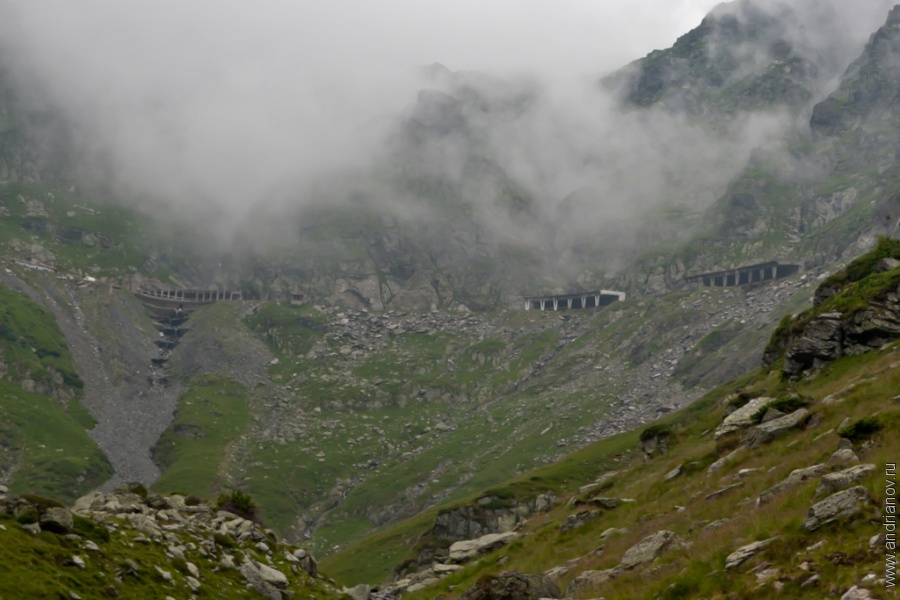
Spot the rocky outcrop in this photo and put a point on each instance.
(512, 585)
(841, 480)
(745, 553)
(641, 554)
(767, 432)
(195, 537)
(795, 479)
(650, 548)
(742, 417)
(841, 505)
(865, 323)
(487, 515)
(467, 549)
(822, 341)
(579, 519)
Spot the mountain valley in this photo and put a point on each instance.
(365, 366)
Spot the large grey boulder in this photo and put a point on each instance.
(841, 480)
(466, 549)
(767, 432)
(650, 548)
(795, 479)
(307, 562)
(578, 519)
(589, 580)
(742, 417)
(512, 585)
(609, 503)
(57, 520)
(745, 553)
(841, 505)
(263, 579)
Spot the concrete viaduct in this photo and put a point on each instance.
(580, 300)
(179, 296)
(758, 273)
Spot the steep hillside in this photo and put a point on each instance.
(767, 485)
(824, 194)
(45, 447)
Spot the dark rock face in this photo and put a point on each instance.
(744, 56)
(472, 521)
(870, 85)
(830, 335)
(822, 341)
(512, 585)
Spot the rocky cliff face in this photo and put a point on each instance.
(748, 55)
(856, 311)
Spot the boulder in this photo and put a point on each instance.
(57, 520)
(512, 585)
(723, 491)
(822, 341)
(307, 562)
(767, 432)
(844, 456)
(887, 264)
(841, 480)
(254, 576)
(673, 473)
(360, 592)
(466, 549)
(577, 520)
(421, 585)
(589, 580)
(609, 503)
(771, 415)
(742, 417)
(650, 548)
(857, 593)
(745, 553)
(720, 464)
(796, 478)
(845, 504)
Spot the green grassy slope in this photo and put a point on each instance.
(125, 563)
(211, 415)
(45, 448)
(693, 484)
(863, 385)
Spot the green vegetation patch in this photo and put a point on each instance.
(31, 343)
(862, 429)
(56, 457)
(212, 414)
(288, 330)
(44, 566)
(865, 265)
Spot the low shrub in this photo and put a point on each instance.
(87, 528)
(28, 516)
(42, 503)
(861, 429)
(224, 541)
(241, 504)
(785, 405)
(655, 431)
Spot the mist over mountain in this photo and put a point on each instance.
(258, 126)
(283, 249)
